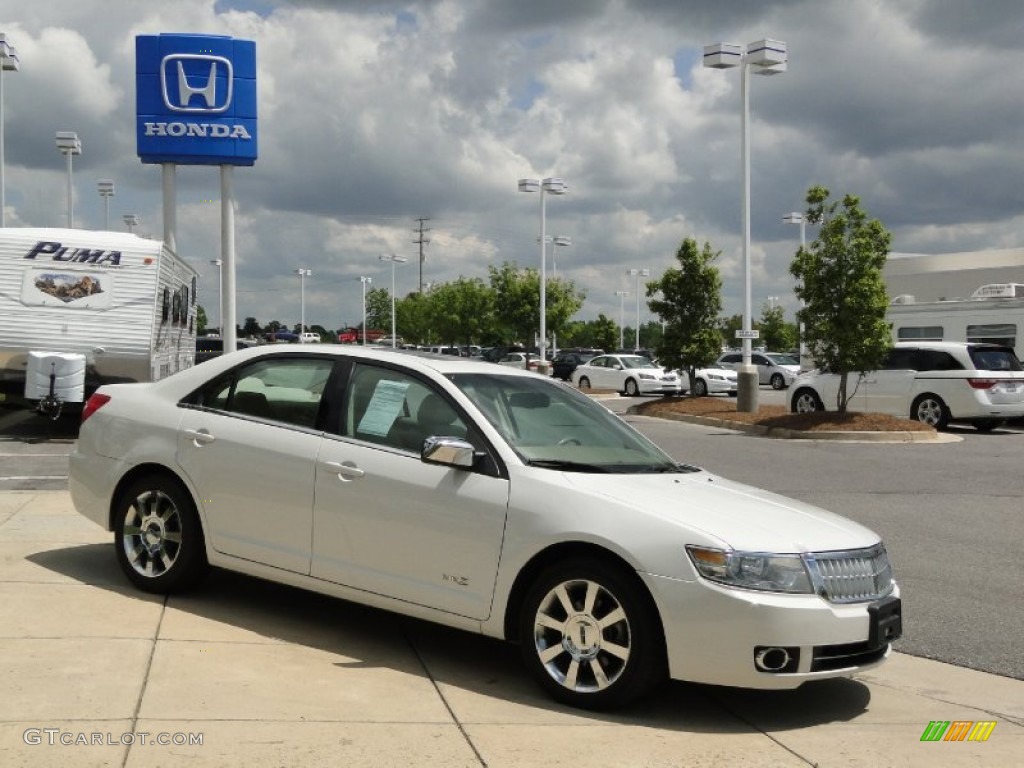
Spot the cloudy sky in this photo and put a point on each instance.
(376, 113)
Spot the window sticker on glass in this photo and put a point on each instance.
(385, 405)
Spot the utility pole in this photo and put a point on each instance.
(421, 240)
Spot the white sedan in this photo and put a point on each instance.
(710, 381)
(629, 374)
(486, 499)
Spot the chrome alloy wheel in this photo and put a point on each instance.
(582, 636)
(152, 534)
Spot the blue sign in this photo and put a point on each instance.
(195, 99)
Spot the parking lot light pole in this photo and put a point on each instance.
(365, 281)
(220, 298)
(394, 260)
(548, 186)
(9, 62)
(637, 273)
(69, 145)
(303, 274)
(763, 57)
(798, 218)
(106, 190)
(622, 313)
(559, 241)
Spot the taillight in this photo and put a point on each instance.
(982, 383)
(93, 404)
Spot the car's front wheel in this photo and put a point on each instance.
(158, 537)
(931, 410)
(632, 390)
(590, 636)
(778, 381)
(807, 401)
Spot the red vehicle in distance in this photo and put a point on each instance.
(355, 336)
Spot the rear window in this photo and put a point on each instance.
(994, 359)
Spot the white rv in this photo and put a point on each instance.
(993, 313)
(79, 309)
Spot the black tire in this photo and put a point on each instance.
(632, 390)
(931, 410)
(584, 382)
(575, 661)
(987, 425)
(700, 388)
(157, 535)
(806, 401)
(778, 381)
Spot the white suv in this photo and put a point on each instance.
(773, 368)
(935, 382)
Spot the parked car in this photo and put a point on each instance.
(629, 374)
(485, 499)
(565, 362)
(308, 337)
(710, 381)
(935, 382)
(209, 347)
(775, 368)
(518, 360)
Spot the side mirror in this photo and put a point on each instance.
(449, 452)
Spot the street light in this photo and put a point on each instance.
(622, 313)
(763, 57)
(220, 298)
(551, 186)
(9, 62)
(106, 189)
(771, 302)
(394, 260)
(131, 220)
(637, 273)
(365, 281)
(69, 145)
(303, 274)
(557, 242)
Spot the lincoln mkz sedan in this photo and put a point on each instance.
(487, 499)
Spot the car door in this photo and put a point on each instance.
(386, 522)
(764, 367)
(248, 443)
(887, 390)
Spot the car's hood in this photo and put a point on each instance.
(727, 373)
(739, 516)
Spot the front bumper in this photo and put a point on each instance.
(713, 634)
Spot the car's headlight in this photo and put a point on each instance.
(752, 570)
(716, 376)
(647, 376)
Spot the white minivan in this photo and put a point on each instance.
(934, 382)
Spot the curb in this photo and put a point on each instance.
(794, 434)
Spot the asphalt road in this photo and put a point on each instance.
(951, 514)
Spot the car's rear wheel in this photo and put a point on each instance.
(700, 388)
(590, 636)
(632, 390)
(778, 381)
(931, 410)
(807, 401)
(584, 382)
(158, 537)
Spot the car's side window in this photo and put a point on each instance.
(392, 408)
(901, 360)
(282, 389)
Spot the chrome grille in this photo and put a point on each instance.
(853, 576)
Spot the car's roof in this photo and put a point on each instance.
(944, 345)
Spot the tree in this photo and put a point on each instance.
(776, 333)
(413, 318)
(251, 327)
(461, 312)
(200, 320)
(839, 278)
(516, 301)
(729, 326)
(691, 298)
(378, 309)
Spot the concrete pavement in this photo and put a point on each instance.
(93, 673)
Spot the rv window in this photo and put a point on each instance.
(165, 310)
(194, 292)
(925, 333)
(1004, 334)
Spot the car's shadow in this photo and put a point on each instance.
(367, 637)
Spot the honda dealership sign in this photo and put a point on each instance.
(195, 99)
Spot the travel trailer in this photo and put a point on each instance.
(993, 313)
(79, 309)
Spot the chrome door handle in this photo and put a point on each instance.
(344, 471)
(199, 436)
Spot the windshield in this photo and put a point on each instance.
(548, 424)
(636, 361)
(781, 359)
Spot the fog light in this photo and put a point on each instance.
(775, 659)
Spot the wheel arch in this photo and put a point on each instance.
(557, 553)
